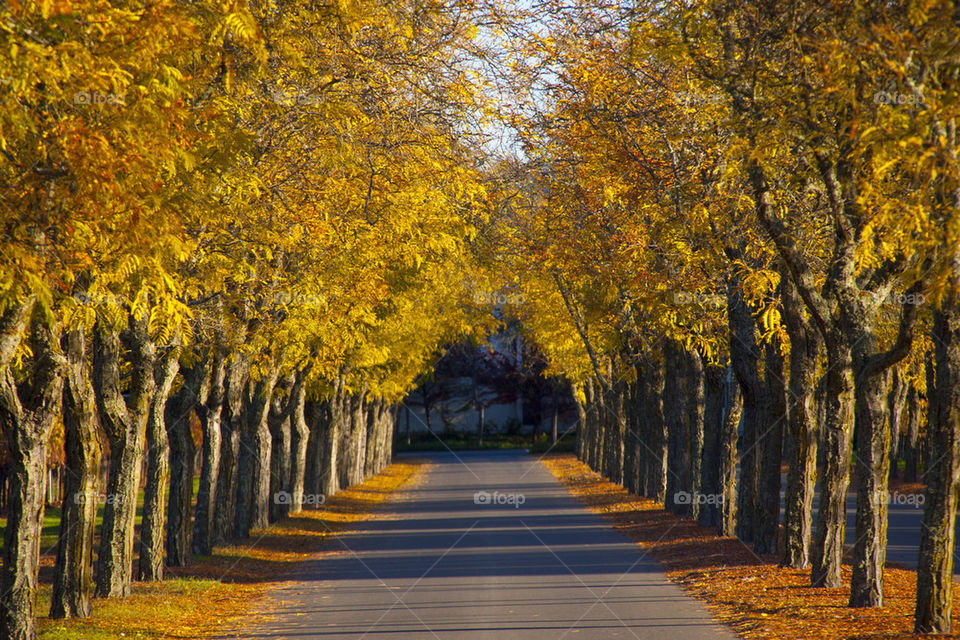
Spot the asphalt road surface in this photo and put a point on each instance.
(521, 559)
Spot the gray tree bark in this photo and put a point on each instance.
(693, 446)
(27, 413)
(155, 492)
(300, 435)
(253, 473)
(581, 443)
(358, 436)
(615, 418)
(124, 421)
(828, 540)
(911, 457)
(192, 394)
(634, 454)
(331, 445)
(278, 421)
(873, 448)
(896, 405)
(209, 413)
(318, 419)
(73, 572)
(674, 417)
(710, 465)
(374, 427)
(232, 419)
(937, 536)
(346, 452)
(729, 456)
(590, 429)
(744, 356)
(774, 406)
(656, 480)
(872, 437)
(803, 427)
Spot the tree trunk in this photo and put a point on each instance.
(600, 414)
(346, 450)
(581, 443)
(318, 419)
(27, 483)
(300, 435)
(656, 481)
(358, 437)
(253, 474)
(426, 411)
(209, 413)
(232, 420)
(803, 428)
(280, 441)
(771, 445)
(910, 454)
(191, 395)
(125, 424)
(616, 429)
(827, 546)
(744, 356)
(388, 436)
(73, 573)
(27, 414)
(676, 498)
(921, 448)
(589, 426)
(374, 410)
(710, 467)
(896, 403)
(935, 566)
(535, 431)
(729, 456)
(873, 441)
(153, 519)
(383, 436)
(407, 415)
(636, 461)
(693, 451)
(331, 448)
(873, 471)
(556, 415)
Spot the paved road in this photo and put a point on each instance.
(442, 566)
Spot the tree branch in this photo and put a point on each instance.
(787, 248)
(880, 362)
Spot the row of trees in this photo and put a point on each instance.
(735, 224)
(256, 214)
(740, 223)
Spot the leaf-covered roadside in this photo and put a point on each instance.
(751, 593)
(211, 593)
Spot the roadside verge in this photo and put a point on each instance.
(750, 593)
(199, 600)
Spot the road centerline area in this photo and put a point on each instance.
(511, 556)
